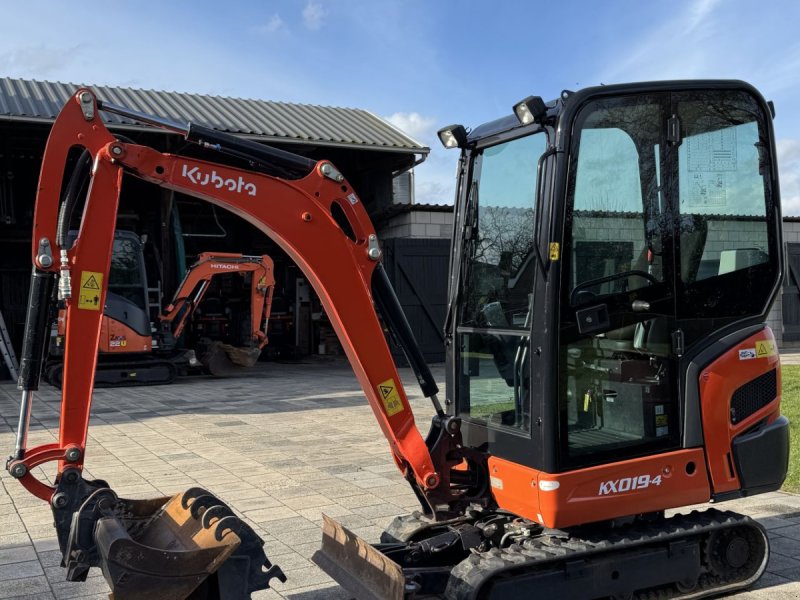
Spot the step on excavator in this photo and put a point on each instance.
(616, 252)
(135, 351)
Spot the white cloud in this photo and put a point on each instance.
(38, 61)
(414, 125)
(274, 25)
(433, 192)
(789, 167)
(684, 46)
(313, 15)
(698, 11)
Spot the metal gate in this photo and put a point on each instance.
(790, 300)
(418, 270)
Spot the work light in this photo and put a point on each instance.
(453, 136)
(530, 109)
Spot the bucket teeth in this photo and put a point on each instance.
(189, 546)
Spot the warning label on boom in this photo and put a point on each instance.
(90, 290)
(391, 399)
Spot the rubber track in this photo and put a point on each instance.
(117, 366)
(478, 570)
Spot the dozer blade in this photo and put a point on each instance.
(191, 546)
(357, 566)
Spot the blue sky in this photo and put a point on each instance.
(421, 64)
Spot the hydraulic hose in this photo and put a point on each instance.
(77, 181)
(392, 312)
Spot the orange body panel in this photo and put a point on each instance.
(115, 337)
(718, 382)
(118, 338)
(640, 485)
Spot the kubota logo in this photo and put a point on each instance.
(199, 177)
(627, 484)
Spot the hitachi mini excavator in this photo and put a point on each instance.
(135, 351)
(616, 252)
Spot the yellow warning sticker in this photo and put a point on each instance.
(662, 420)
(555, 250)
(90, 290)
(765, 348)
(391, 399)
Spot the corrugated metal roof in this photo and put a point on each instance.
(277, 121)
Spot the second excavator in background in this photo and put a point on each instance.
(137, 350)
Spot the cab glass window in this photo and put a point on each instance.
(498, 272)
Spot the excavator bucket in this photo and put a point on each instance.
(224, 360)
(243, 356)
(357, 566)
(191, 546)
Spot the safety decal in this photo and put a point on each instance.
(765, 348)
(90, 291)
(555, 250)
(747, 354)
(391, 399)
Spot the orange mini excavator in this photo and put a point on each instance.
(615, 254)
(134, 351)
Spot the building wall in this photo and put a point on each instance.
(791, 235)
(419, 224)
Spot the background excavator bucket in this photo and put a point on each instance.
(192, 546)
(357, 566)
(222, 360)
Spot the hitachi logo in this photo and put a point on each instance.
(198, 177)
(224, 266)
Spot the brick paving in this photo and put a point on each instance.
(280, 445)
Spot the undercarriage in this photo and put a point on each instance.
(492, 554)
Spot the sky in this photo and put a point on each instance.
(421, 64)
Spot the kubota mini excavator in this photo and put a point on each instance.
(616, 252)
(134, 351)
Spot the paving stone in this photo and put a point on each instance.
(311, 501)
(12, 540)
(271, 514)
(35, 587)
(786, 546)
(80, 589)
(16, 555)
(20, 570)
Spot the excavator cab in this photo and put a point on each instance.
(594, 267)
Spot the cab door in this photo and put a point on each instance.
(618, 341)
